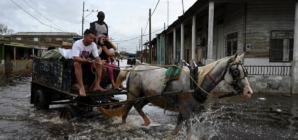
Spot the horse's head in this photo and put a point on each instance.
(236, 76)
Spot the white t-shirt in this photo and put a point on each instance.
(80, 50)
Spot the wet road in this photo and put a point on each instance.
(264, 116)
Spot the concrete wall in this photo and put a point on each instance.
(18, 67)
(2, 70)
(264, 84)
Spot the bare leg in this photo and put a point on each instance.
(139, 107)
(98, 78)
(78, 73)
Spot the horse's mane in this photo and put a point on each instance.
(203, 71)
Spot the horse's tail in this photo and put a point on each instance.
(122, 76)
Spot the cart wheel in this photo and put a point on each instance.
(69, 112)
(41, 100)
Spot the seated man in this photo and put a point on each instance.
(81, 50)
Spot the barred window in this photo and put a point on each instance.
(281, 46)
(232, 40)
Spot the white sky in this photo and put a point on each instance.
(125, 17)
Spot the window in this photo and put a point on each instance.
(30, 39)
(281, 46)
(48, 39)
(58, 38)
(18, 38)
(35, 39)
(69, 40)
(231, 44)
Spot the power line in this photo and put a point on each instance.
(155, 7)
(151, 14)
(136, 37)
(146, 25)
(36, 18)
(41, 14)
(52, 14)
(60, 7)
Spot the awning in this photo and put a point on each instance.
(19, 45)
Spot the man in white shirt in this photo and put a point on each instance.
(81, 50)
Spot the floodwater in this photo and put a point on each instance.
(264, 116)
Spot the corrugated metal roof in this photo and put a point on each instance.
(47, 33)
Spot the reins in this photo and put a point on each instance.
(198, 86)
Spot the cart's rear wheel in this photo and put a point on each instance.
(69, 112)
(41, 100)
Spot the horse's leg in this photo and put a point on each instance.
(184, 115)
(125, 111)
(179, 124)
(139, 107)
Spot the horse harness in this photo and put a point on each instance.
(235, 75)
(202, 96)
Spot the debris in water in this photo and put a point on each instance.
(262, 99)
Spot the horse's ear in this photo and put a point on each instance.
(235, 55)
(241, 57)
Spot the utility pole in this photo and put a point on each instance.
(83, 18)
(141, 47)
(150, 49)
(182, 7)
(168, 14)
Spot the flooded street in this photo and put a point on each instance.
(264, 116)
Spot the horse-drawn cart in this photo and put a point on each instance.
(54, 82)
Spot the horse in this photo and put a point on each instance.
(146, 80)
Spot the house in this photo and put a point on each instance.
(212, 29)
(17, 50)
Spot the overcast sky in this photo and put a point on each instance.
(125, 18)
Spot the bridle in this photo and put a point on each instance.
(235, 73)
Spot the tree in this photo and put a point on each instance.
(4, 30)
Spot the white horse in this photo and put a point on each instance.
(145, 80)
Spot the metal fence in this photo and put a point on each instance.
(269, 70)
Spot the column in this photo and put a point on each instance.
(3, 53)
(182, 42)
(210, 33)
(295, 54)
(193, 38)
(174, 46)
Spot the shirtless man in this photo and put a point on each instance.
(81, 50)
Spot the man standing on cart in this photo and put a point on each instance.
(81, 50)
(99, 27)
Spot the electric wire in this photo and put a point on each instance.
(60, 7)
(52, 14)
(136, 37)
(155, 8)
(42, 15)
(38, 19)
